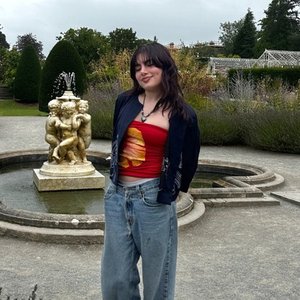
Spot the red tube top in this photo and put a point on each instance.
(142, 150)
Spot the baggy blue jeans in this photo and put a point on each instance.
(136, 225)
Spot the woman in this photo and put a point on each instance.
(155, 152)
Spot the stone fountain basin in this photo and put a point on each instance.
(64, 221)
(240, 180)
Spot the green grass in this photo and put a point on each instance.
(9, 107)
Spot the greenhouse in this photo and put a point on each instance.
(278, 58)
(270, 58)
(223, 64)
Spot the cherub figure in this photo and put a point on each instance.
(69, 137)
(53, 124)
(84, 131)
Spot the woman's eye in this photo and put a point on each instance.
(149, 63)
(137, 68)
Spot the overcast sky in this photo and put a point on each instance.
(187, 21)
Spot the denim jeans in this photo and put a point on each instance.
(138, 226)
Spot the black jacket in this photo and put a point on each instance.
(181, 153)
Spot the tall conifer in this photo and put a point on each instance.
(62, 58)
(28, 76)
(245, 40)
(280, 29)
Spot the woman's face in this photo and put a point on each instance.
(147, 74)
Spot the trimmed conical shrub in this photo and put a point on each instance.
(62, 58)
(28, 76)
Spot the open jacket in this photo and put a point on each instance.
(180, 159)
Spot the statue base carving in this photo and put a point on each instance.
(65, 169)
(53, 177)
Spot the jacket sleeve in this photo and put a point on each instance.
(121, 99)
(116, 110)
(190, 153)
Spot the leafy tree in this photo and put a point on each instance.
(140, 42)
(204, 50)
(28, 75)
(62, 58)
(3, 42)
(280, 28)
(121, 39)
(29, 39)
(112, 72)
(9, 60)
(229, 30)
(245, 40)
(193, 77)
(3, 49)
(90, 44)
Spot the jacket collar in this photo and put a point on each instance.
(129, 111)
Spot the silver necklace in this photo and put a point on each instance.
(143, 116)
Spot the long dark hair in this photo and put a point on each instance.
(172, 97)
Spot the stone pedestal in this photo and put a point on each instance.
(54, 177)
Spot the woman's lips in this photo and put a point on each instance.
(146, 79)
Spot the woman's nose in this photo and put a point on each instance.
(143, 69)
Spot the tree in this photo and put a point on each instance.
(294, 41)
(121, 39)
(9, 61)
(229, 30)
(62, 58)
(28, 76)
(140, 42)
(4, 45)
(204, 50)
(3, 42)
(245, 40)
(280, 28)
(90, 44)
(29, 39)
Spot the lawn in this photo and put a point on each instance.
(10, 107)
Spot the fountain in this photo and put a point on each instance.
(67, 205)
(68, 132)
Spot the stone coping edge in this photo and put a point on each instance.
(241, 202)
(52, 235)
(81, 236)
(292, 197)
(185, 204)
